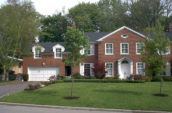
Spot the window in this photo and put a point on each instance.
(58, 53)
(38, 52)
(140, 68)
(109, 69)
(109, 49)
(90, 50)
(124, 36)
(139, 47)
(124, 47)
(88, 69)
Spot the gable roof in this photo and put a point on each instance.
(124, 27)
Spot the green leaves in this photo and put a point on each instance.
(156, 48)
(74, 41)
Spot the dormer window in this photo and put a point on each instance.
(58, 53)
(38, 52)
(124, 36)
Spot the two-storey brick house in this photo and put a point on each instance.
(120, 51)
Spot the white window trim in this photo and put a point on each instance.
(121, 49)
(92, 50)
(112, 49)
(112, 69)
(54, 50)
(137, 53)
(34, 51)
(55, 54)
(122, 36)
(91, 66)
(137, 67)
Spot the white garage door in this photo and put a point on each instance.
(41, 74)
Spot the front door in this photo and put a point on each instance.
(125, 69)
(68, 70)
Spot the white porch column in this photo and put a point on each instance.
(131, 67)
(168, 69)
(81, 69)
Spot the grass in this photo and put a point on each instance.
(100, 95)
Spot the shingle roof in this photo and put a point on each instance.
(169, 35)
(94, 36)
(49, 45)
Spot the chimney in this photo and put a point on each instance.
(170, 27)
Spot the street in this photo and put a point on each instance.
(25, 109)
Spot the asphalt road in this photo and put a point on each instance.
(25, 109)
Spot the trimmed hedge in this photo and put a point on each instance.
(105, 81)
(158, 78)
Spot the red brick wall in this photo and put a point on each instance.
(116, 40)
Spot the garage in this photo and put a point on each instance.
(42, 73)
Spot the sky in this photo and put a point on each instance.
(49, 7)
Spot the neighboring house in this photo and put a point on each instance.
(120, 51)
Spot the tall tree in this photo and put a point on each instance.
(145, 13)
(85, 16)
(74, 41)
(18, 27)
(53, 28)
(156, 47)
(113, 14)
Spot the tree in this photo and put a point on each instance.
(156, 48)
(53, 28)
(74, 41)
(113, 14)
(85, 16)
(145, 13)
(18, 27)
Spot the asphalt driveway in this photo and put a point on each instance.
(11, 88)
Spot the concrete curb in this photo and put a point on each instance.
(81, 108)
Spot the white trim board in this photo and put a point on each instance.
(124, 27)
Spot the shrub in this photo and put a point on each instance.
(77, 76)
(99, 70)
(52, 79)
(33, 86)
(60, 77)
(12, 76)
(25, 77)
(106, 81)
(89, 77)
(167, 78)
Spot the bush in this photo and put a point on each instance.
(59, 77)
(52, 79)
(12, 76)
(99, 70)
(89, 77)
(158, 78)
(25, 77)
(167, 78)
(33, 86)
(77, 76)
(106, 81)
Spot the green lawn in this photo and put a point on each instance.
(101, 95)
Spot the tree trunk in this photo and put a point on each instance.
(4, 73)
(161, 85)
(72, 85)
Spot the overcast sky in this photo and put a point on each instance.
(48, 7)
